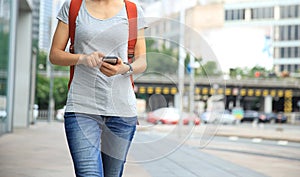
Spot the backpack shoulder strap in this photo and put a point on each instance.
(73, 13)
(132, 19)
(132, 38)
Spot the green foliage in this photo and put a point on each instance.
(4, 49)
(42, 60)
(60, 90)
(42, 92)
(209, 68)
(251, 72)
(162, 60)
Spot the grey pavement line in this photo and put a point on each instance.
(254, 153)
(296, 140)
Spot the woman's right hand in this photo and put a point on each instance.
(91, 60)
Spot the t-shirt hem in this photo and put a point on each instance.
(104, 114)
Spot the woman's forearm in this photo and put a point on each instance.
(62, 58)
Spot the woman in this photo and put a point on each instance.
(100, 116)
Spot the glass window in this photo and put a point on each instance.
(227, 15)
(297, 32)
(292, 52)
(281, 68)
(291, 11)
(263, 13)
(4, 53)
(281, 52)
(289, 68)
(286, 33)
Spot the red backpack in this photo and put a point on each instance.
(132, 19)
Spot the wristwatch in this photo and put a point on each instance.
(130, 71)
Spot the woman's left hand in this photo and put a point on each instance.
(111, 70)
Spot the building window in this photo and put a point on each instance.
(289, 52)
(228, 15)
(281, 68)
(263, 13)
(289, 68)
(281, 52)
(236, 14)
(289, 33)
(291, 11)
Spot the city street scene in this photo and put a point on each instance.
(220, 95)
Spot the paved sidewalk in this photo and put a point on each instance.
(41, 151)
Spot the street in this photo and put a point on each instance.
(266, 157)
(163, 151)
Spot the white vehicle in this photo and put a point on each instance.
(60, 113)
(223, 117)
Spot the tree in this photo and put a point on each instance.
(42, 92)
(42, 60)
(163, 60)
(210, 69)
(60, 91)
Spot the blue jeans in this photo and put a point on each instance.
(99, 144)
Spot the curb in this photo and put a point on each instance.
(296, 140)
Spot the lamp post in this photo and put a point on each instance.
(181, 64)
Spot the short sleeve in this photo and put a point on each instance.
(141, 18)
(63, 14)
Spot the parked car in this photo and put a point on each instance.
(171, 116)
(272, 117)
(250, 116)
(281, 118)
(223, 117)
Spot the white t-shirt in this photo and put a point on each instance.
(91, 91)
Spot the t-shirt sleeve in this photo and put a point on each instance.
(63, 14)
(141, 18)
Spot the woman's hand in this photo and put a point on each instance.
(111, 70)
(92, 60)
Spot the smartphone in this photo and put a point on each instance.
(113, 60)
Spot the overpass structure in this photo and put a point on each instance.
(258, 94)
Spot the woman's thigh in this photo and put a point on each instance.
(84, 138)
(116, 138)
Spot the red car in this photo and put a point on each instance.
(171, 116)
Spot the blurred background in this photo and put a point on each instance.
(216, 62)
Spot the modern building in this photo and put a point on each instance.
(45, 17)
(17, 66)
(36, 20)
(282, 16)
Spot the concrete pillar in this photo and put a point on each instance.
(22, 69)
(268, 104)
